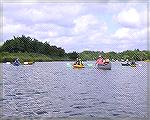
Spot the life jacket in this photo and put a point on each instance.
(107, 61)
(100, 61)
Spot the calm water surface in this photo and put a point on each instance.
(52, 89)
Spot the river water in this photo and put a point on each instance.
(51, 89)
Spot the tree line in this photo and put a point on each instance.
(26, 45)
(136, 55)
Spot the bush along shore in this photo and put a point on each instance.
(32, 50)
(29, 57)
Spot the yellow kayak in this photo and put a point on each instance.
(133, 65)
(78, 66)
(30, 63)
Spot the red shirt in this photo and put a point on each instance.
(99, 61)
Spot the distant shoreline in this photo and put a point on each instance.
(36, 57)
(146, 60)
(29, 57)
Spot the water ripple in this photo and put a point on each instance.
(51, 89)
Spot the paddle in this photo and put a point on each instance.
(139, 64)
(90, 65)
(69, 65)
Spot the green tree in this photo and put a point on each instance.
(73, 55)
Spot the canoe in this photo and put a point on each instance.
(78, 66)
(104, 66)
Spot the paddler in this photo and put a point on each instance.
(77, 62)
(106, 61)
(133, 62)
(100, 60)
(80, 62)
(17, 62)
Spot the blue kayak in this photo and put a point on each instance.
(16, 63)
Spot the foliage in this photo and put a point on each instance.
(136, 55)
(30, 49)
(73, 55)
(29, 57)
(27, 44)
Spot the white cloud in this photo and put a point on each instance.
(50, 28)
(130, 36)
(83, 23)
(43, 12)
(78, 26)
(129, 18)
(122, 33)
(52, 34)
(144, 17)
(100, 38)
(64, 42)
(15, 28)
(88, 23)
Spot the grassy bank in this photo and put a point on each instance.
(6, 56)
(147, 61)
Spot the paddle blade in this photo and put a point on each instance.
(90, 65)
(69, 65)
(140, 65)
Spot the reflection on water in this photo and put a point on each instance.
(53, 90)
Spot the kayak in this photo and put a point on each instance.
(133, 65)
(125, 64)
(28, 63)
(104, 66)
(78, 66)
(128, 64)
(8, 62)
(16, 64)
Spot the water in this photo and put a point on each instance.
(51, 89)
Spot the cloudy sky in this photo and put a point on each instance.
(79, 26)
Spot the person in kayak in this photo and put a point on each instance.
(80, 62)
(77, 62)
(17, 62)
(133, 62)
(100, 60)
(127, 62)
(106, 61)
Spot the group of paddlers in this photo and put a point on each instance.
(78, 62)
(100, 60)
